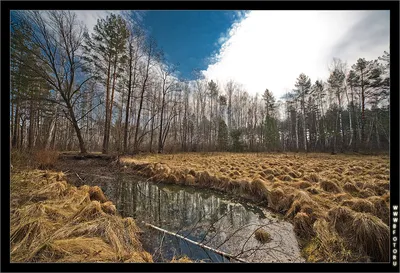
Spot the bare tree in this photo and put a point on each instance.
(59, 36)
(168, 84)
(150, 53)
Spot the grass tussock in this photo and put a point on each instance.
(52, 221)
(324, 196)
(330, 186)
(313, 177)
(183, 259)
(381, 208)
(262, 236)
(259, 188)
(351, 188)
(327, 245)
(362, 231)
(360, 205)
(303, 225)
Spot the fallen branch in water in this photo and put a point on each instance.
(230, 256)
(79, 178)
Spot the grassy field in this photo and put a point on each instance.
(339, 204)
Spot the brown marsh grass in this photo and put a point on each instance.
(338, 204)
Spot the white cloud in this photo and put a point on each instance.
(89, 17)
(269, 49)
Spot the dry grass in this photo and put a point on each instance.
(45, 159)
(362, 231)
(183, 259)
(308, 189)
(52, 221)
(40, 159)
(262, 236)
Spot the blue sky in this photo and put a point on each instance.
(262, 49)
(189, 38)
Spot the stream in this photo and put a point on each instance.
(204, 216)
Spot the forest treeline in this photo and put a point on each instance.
(110, 89)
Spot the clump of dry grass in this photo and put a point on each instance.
(327, 245)
(190, 179)
(97, 194)
(351, 188)
(259, 188)
(62, 223)
(109, 207)
(313, 177)
(330, 186)
(279, 201)
(262, 236)
(301, 185)
(381, 208)
(79, 249)
(184, 259)
(367, 193)
(372, 235)
(363, 231)
(285, 177)
(303, 225)
(359, 205)
(302, 202)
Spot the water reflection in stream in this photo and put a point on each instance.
(203, 216)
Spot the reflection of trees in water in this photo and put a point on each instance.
(203, 217)
(125, 195)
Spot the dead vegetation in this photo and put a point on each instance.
(183, 259)
(37, 159)
(262, 236)
(52, 221)
(339, 204)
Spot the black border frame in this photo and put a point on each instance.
(6, 6)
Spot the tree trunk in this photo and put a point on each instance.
(136, 144)
(77, 130)
(152, 123)
(22, 133)
(31, 126)
(350, 119)
(130, 87)
(304, 130)
(111, 106)
(377, 134)
(51, 132)
(105, 143)
(297, 132)
(53, 141)
(52, 127)
(362, 110)
(160, 142)
(15, 142)
(12, 124)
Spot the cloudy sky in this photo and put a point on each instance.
(262, 49)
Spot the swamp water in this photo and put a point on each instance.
(204, 216)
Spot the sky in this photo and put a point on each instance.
(262, 49)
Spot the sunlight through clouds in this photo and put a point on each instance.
(269, 49)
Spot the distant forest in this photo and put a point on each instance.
(112, 91)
